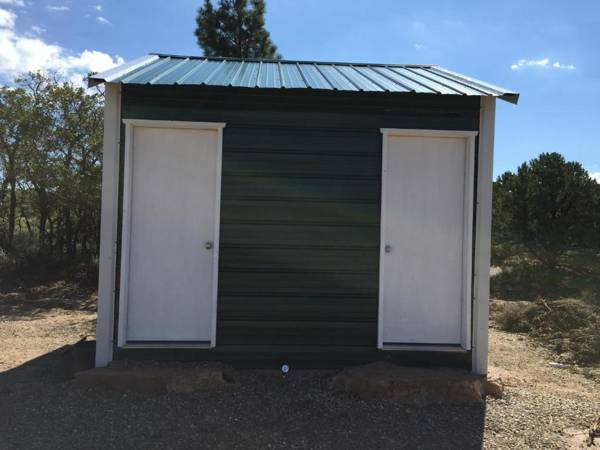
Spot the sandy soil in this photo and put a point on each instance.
(543, 407)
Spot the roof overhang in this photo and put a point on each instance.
(174, 70)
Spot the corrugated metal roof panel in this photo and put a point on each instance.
(280, 74)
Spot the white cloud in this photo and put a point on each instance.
(7, 19)
(57, 8)
(18, 3)
(418, 46)
(595, 176)
(103, 20)
(530, 63)
(97, 7)
(558, 65)
(38, 30)
(543, 63)
(20, 53)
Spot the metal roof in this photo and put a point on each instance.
(159, 69)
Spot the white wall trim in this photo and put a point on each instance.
(483, 235)
(427, 348)
(174, 124)
(469, 137)
(428, 133)
(108, 225)
(130, 124)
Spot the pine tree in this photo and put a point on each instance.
(236, 28)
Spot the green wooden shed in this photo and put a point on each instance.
(314, 213)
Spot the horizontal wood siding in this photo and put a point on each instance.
(301, 190)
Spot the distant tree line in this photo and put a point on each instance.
(50, 176)
(50, 171)
(549, 205)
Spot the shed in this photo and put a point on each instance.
(315, 213)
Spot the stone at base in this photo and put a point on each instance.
(158, 378)
(417, 386)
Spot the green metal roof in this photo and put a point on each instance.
(159, 69)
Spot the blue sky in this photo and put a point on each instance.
(549, 51)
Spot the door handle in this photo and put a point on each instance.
(208, 245)
(388, 249)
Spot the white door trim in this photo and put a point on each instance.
(130, 124)
(469, 136)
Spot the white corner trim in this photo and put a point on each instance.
(108, 226)
(130, 124)
(483, 236)
(428, 133)
(174, 124)
(469, 174)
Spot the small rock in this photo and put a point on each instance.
(493, 388)
(558, 365)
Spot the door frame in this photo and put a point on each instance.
(467, 295)
(130, 125)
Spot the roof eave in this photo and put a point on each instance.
(510, 97)
(115, 73)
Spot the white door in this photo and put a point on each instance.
(169, 235)
(426, 233)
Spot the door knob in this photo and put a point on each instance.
(388, 249)
(208, 245)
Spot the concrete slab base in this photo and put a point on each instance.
(417, 386)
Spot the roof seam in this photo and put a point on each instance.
(393, 69)
(378, 70)
(143, 70)
(435, 81)
(380, 86)
(192, 70)
(325, 77)
(347, 78)
(213, 73)
(237, 72)
(473, 85)
(304, 80)
(168, 71)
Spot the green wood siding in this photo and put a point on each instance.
(301, 188)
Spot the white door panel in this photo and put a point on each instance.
(425, 262)
(172, 207)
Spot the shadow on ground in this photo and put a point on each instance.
(32, 303)
(42, 408)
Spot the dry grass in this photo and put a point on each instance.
(570, 327)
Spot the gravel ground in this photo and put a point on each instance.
(543, 407)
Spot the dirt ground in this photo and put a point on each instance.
(543, 407)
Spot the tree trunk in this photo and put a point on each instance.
(29, 230)
(13, 200)
(69, 233)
